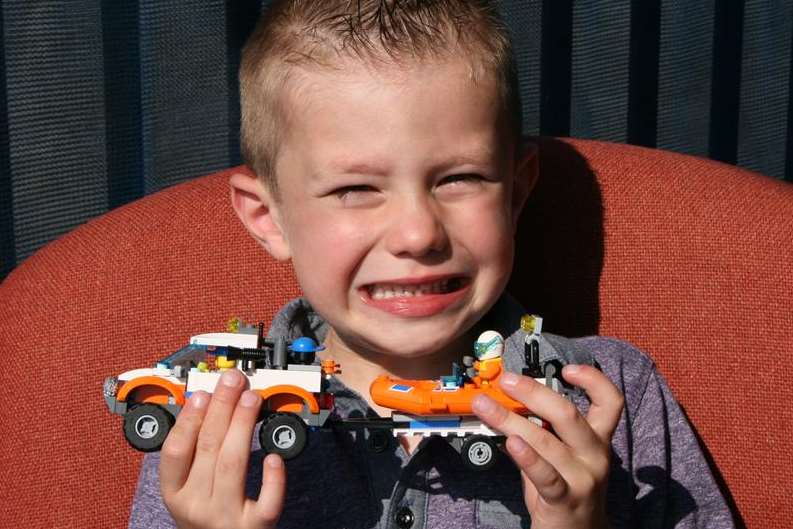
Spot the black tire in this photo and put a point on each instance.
(479, 452)
(146, 426)
(283, 434)
(552, 369)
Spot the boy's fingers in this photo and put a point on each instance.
(568, 423)
(232, 462)
(176, 455)
(548, 446)
(547, 482)
(213, 432)
(271, 498)
(607, 401)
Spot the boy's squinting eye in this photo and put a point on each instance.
(355, 195)
(461, 182)
(465, 177)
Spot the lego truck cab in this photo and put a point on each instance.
(292, 388)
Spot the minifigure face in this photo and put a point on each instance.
(490, 344)
(398, 202)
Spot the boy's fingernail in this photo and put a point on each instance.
(273, 461)
(249, 399)
(483, 404)
(509, 379)
(199, 400)
(230, 378)
(572, 368)
(516, 445)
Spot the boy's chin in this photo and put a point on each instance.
(410, 348)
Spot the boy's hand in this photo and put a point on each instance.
(564, 475)
(204, 462)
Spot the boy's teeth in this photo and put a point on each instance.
(386, 291)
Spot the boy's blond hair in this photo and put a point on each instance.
(321, 32)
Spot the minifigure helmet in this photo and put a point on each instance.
(305, 345)
(490, 344)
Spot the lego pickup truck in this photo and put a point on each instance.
(283, 373)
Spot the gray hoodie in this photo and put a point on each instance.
(659, 477)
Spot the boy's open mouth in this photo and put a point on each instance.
(380, 291)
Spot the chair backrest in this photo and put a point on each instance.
(687, 258)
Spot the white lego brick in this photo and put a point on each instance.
(202, 381)
(146, 372)
(223, 339)
(261, 379)
(303, 367)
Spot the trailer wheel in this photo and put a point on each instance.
(552, 369)
(146, 426)
(283, 434)
(479, 452)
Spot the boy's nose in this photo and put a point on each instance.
(417, 231)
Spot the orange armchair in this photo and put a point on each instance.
(689, 259)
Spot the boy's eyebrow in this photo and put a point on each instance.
(477, 158)
(346, 166)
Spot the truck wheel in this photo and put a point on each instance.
(283, 434)
(479, 452)
(552, 369)
(146, 426)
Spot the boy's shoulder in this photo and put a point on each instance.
(629, 368)
(610, 354)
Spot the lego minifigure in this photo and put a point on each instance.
(488, 350)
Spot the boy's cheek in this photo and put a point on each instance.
(487, 236)
(328, 228)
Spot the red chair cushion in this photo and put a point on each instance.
(687, 258)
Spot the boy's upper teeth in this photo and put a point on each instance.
(388, 290)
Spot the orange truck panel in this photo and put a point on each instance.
(155, 389)
(285, 395)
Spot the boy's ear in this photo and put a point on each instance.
(527, 171)
(257, 209)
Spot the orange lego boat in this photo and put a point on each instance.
(453, 394)
(439, 396)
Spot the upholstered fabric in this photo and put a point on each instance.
(687, 258)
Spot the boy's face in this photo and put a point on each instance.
(399, 191)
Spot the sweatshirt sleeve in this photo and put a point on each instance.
(148, 509)
(657, 459)
(675, 485)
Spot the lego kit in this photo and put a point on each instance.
(294, 386)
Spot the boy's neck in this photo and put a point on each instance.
(359, 368)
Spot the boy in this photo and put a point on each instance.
(386, 140)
